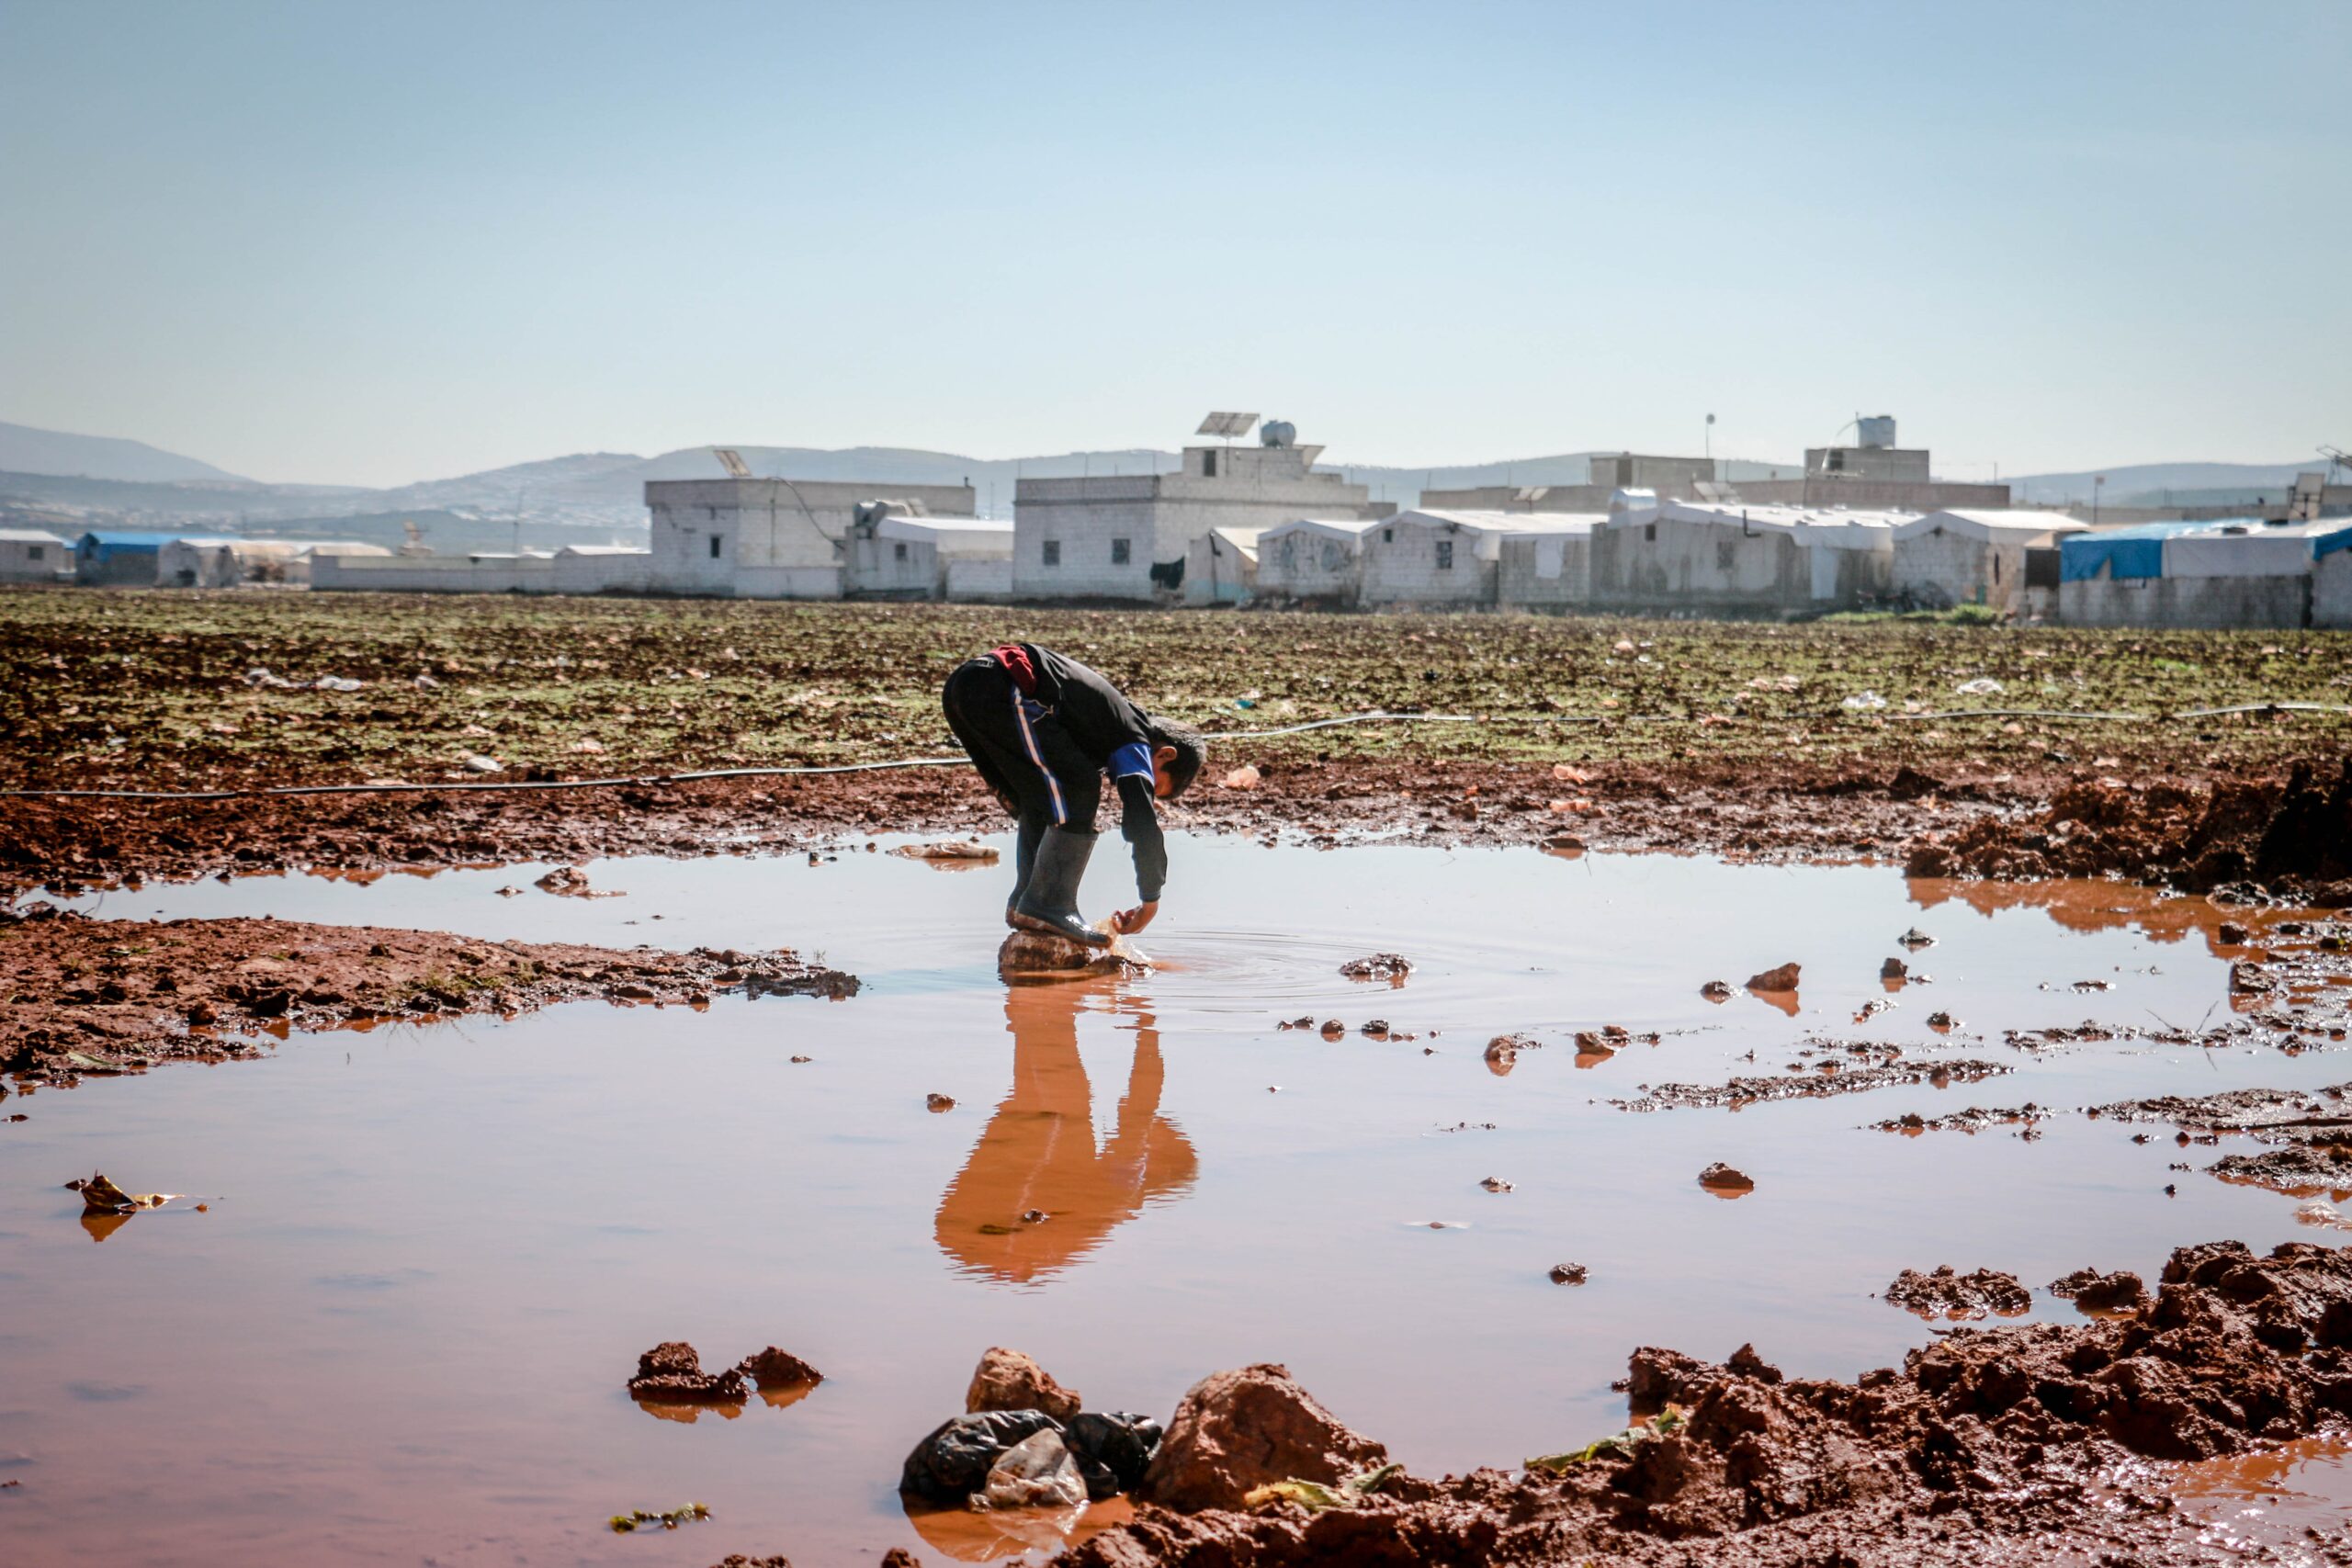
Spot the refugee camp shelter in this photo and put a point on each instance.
(298, 571)
(33, 555)
(1221, 566)
(118, 556)
(1317, 559)
(1550, 570)
(898, 550)
(1130, 535)
(1970, 556)
(1431, 557)
(1719, 558)
(780, 539)
(224, 563)
(2230, 573)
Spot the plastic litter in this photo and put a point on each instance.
(477, 763)
(1864, 702)
(1039, 1472)
(954, 1461)
(1245, 776)
(337, 683)
(1112, 1448)
(1983, 687)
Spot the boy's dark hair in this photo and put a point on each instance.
(1191, 751)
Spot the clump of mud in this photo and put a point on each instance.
(671, 1373)
(1748, 1091)
(1946, 1292)
(1973, 1119)
(2293, 836)
(80, 997)
(2094, 1292)
(2015, 1444)
(1391, 966)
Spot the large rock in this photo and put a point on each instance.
(1236, 1430)
(1007, 1379)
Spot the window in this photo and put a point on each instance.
(1996, 568)
(1290, 551)
(1209, 464)
(713, 547)
(899, 550)
(1121, 552)
(35, 552)
(1445, 554)
(1388, 536)
(1723, 555)
(1649, 533)
(1053, 552)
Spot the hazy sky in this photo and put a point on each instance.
(380, 242)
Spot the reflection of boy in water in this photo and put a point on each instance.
(1039, 1150)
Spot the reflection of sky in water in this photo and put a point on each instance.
(533, 1204)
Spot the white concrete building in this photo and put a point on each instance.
(1221, 566)
(1319, 559)
(749, 539)
(897, 551)
(1550, 571)
(1129, 536)
(33, 555)
(1968, 556)
(1707, 558)
(586, 569)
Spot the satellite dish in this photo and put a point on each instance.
(732, 461)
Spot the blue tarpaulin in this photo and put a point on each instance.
(2137, 551)
(2337, 538)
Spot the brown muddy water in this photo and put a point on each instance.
(430, 1256)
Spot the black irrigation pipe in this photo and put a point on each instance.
(815, 769)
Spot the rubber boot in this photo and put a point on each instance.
(1050, 903)
(1025, 861)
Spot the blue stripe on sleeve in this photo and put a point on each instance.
(1131, 761)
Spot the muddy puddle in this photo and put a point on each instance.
(430, 1256)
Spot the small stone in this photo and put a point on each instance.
(1715, 992)
(1496, 1184)
(1782, 978)
(1333, 1029)
(777, 1368)
(1009, 1379)
(1915, 939)
(1894, 969)
(1721, 1178)
(936, 1103)
(1568, 1273)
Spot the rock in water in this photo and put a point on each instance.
(1007, 1379)
(1028, 955)
(1783, 979)
(1240, 1429)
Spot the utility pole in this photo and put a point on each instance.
(2098, 483)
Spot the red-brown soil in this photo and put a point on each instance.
(2019, 1445)
(83, 997)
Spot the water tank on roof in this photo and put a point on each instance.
(1876, 431)
(1278, 433)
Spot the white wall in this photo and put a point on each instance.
(1217, 572)
(1400, 565)
(1541, 571)
(432, 574)
(2331, 589)
(2281, 603)
(1309, 563)
(768, 538)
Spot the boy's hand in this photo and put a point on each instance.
(1127, 922)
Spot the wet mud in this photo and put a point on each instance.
(2028, 1444)
(81, 997)
(1944, 1291)
(1818, 1085)
(2290, 835)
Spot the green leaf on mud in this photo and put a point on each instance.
(1618, 1445)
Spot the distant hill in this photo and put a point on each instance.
(26, 450)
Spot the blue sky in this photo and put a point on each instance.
(374, 243)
